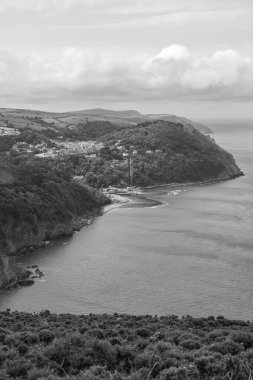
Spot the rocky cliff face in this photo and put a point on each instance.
(19, 238)
(23, 236)
(10, 271)
(230, 168)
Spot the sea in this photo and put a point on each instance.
(191, 255)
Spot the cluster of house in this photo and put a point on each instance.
(5, 131)
(60, 148)
(22, 146)
(71, 147)
(89, 148)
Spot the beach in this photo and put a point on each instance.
(130, 201)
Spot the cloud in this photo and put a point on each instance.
(58, 5)
(173, 74)
(41, 5)
(123, 7)
(176, 52)
(224, 69)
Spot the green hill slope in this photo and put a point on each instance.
(38, 203)
(76, 120)
(163, 152)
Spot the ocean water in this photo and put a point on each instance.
(192, 255)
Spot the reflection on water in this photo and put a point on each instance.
(192, 255)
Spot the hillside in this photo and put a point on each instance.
(67, 122)
(37, 203)
(104, 112)
(124, 347)
(182, 120)
(162, 152)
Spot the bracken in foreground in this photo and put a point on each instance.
(93, 347)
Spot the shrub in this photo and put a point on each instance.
(106, 352)
(144, 333)
(190, 344)
(98, 333)
(245, 338)
(226, 347)
(22, 349)
(29, 338)
(46, 336)
(11, 340)
(94, 373)
(173, 373)
(38, 373)
(115, 341)
(17, 368)
(57, 351)
(2, 337)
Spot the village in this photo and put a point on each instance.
(5, 131)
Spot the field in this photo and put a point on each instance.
(38, 120)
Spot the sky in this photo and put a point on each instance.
(193, 58)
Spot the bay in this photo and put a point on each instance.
(192, 255)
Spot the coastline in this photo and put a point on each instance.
(193, 183)
(25, 276)
(13, 274)
(129, 200)
(122, 200)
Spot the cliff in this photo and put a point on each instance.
(10, 271)
(17, 237)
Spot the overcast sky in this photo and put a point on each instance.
(193, 58)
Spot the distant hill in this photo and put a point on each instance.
(104, 112)
(183, 120)
(169, 149)
(58, 122)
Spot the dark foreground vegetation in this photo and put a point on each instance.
(93, 347)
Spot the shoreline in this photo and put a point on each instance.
(193, 183)
(26, 276)
(130, 201)
(122, 200)
(119, 200)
